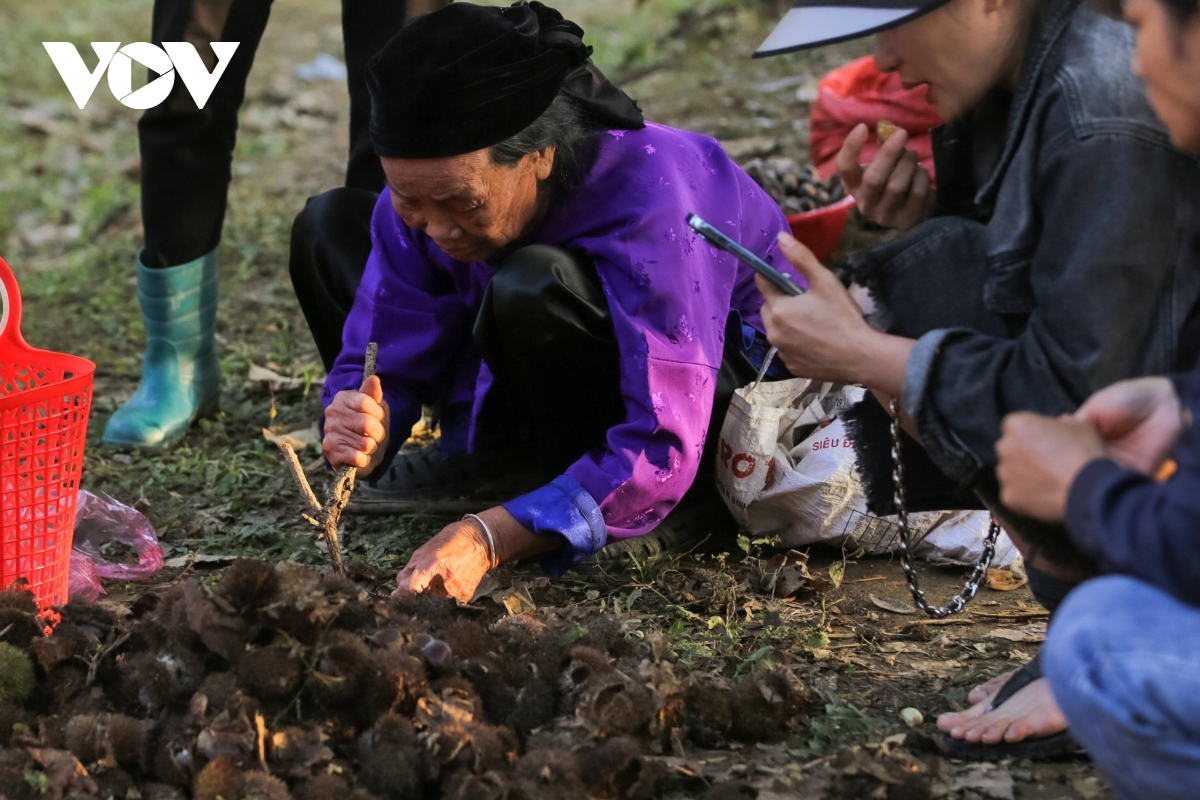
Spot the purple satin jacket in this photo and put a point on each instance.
(669, 294)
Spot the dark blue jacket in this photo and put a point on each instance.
(1133, 525)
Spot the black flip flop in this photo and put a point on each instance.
(1039, 749)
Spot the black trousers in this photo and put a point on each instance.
(544, 330)
(187, 152)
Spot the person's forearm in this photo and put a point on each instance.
(1134, 525)
(513, 541)
(883, 361)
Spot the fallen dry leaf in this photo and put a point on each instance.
(43, 119)
(50, 234)
(788, 574)
(199, 560)
(890, 767)
(936, 669)
(791, 580)
(987, 779)
(276, 380)
(752, 147)
(298, 439)
(894, 606)
(790, 557)
(455, 706)
(1035, 632)
(516, 598)
(487, 586)
(1005, 580)
(1022, 613)
(837, 573)
(1089, 787)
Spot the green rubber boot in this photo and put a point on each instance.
(181, 377)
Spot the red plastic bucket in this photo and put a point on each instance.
(45, 398)
(821, 229)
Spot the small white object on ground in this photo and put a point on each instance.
(323, 67)
(912, 717)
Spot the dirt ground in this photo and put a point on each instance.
(70, 226)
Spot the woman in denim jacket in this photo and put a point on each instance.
(1054, 258)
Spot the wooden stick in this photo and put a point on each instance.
(293, 464)
(344, 480)
(337, 494)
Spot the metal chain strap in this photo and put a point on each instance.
(989, 544)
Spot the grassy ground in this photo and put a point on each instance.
(70, 228)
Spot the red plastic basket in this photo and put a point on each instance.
(44, 402)
(820, 230)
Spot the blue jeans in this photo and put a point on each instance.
(1123, 659)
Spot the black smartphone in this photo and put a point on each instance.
(723, 242)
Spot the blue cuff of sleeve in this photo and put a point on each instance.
(563, 507)
(918, 371)
(1096, 477)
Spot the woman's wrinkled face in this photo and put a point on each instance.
(470, 206)
(1168, 59)
(960, 52)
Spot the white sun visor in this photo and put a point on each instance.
(813, 25)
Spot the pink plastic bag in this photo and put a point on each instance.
(100, 520)
(858, 92)
(83, 581)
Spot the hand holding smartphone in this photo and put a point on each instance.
(723, 242)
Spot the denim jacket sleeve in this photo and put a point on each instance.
(1084, 302)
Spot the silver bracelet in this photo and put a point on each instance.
(491, 540)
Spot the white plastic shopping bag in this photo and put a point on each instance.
(786, 468)
(760, 417)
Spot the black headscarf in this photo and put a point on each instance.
(468, 77)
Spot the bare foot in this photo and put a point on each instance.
(1031, 713)
(988, 690)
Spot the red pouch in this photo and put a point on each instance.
(858, 92)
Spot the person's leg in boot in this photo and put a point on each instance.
(366, 27)
(181, 376)
(1123, 660)
(186, 155)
